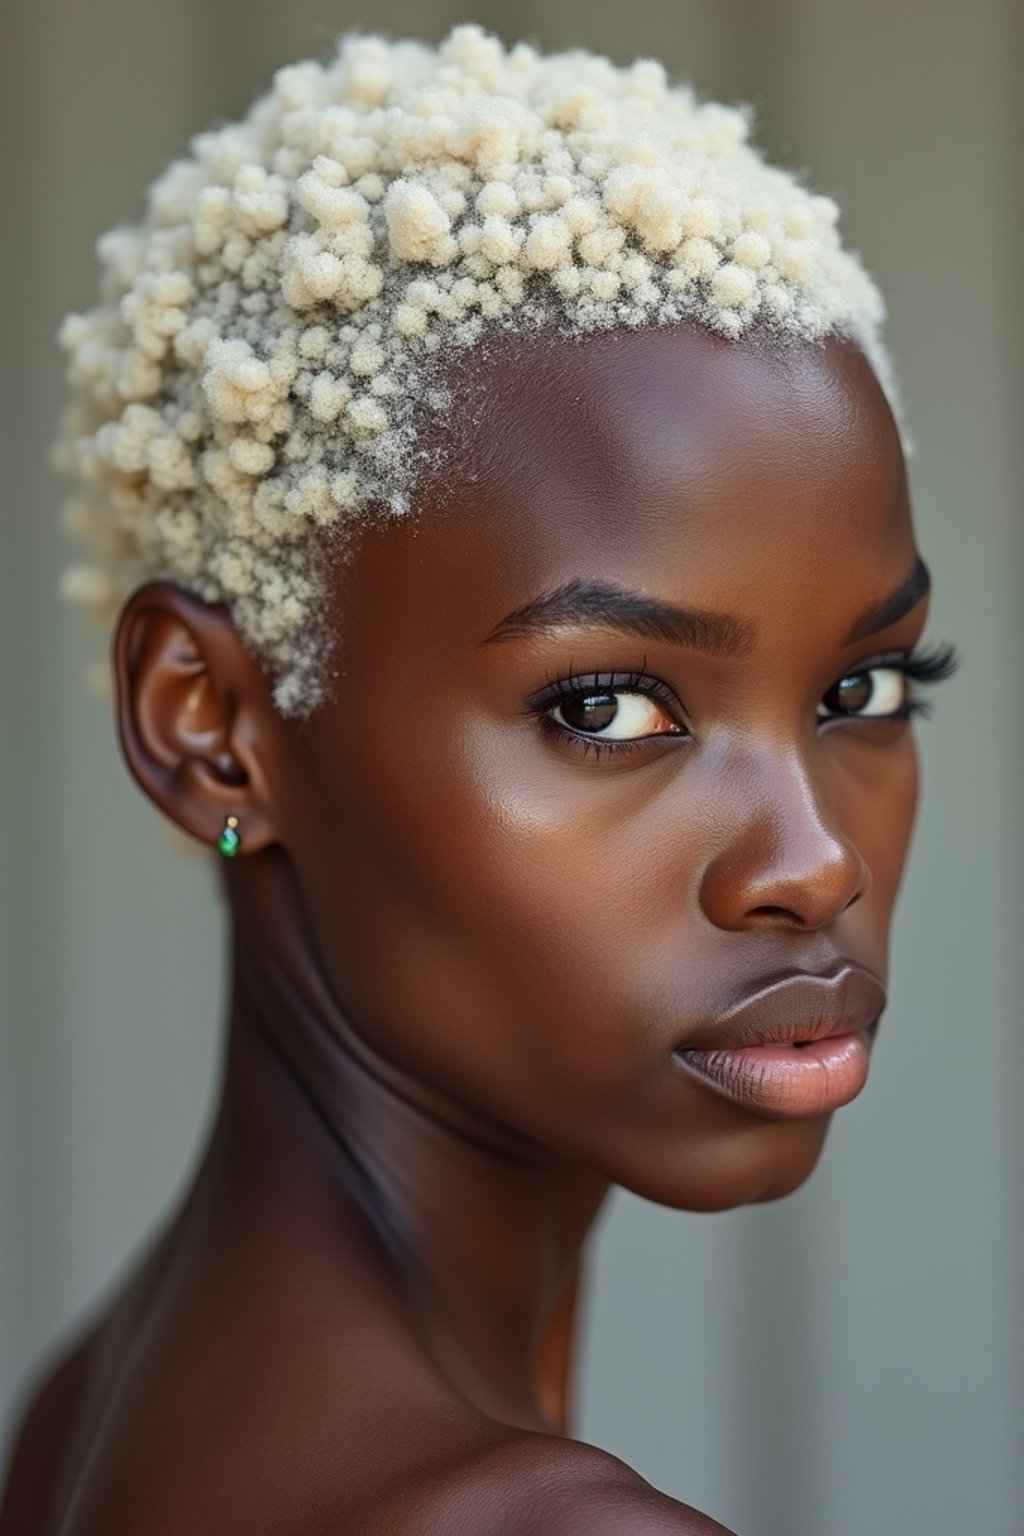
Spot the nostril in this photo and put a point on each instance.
(772, 915)
(784, 871)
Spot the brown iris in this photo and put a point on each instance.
(851, 694)
(590, 711)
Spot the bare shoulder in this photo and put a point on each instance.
(538, 1485)
(598, 1495)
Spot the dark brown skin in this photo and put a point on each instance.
(466, 949)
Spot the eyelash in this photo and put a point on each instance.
(924, 668)
(574, 687)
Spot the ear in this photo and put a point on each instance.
(195, 714)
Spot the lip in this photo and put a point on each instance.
(796, 1047)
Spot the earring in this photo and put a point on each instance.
(230, 839)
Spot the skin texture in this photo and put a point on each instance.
(466, 949)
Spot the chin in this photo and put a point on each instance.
(764, 1162)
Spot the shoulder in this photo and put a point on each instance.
(538, 1485)
(219, 1463)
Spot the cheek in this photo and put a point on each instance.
(490, 916)
(880, 820)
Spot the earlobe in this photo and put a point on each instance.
(193, 707)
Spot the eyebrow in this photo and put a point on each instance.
(614, 607)
(699, 629)
(900, 601)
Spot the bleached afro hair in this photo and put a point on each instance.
(244, 392)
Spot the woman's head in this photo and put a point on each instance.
(618, 737)
(261, 372)
(616, 733)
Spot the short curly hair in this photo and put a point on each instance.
(249, 377)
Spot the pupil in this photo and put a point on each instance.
(590, 711)
(852, 693)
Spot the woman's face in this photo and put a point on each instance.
(615, 750)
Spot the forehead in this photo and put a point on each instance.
(668, 460)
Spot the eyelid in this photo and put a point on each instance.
(920, 667)
(923, 664)
(570, 686)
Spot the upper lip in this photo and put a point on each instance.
(795, 1006)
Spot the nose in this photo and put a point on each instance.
(784, 861)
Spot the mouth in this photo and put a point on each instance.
(796, 1047)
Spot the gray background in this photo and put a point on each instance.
(847, 1361)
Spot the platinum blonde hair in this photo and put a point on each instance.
(248, 379)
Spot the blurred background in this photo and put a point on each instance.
(848, 1360)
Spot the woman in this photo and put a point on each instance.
(492, 466)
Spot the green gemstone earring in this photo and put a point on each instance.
(230, 839)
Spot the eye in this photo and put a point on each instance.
(614, 715)
(877, 693)
(608, 712)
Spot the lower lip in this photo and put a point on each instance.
(792, 1082)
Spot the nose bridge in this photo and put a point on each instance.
(784, 857)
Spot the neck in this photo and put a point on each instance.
(483, 1229)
